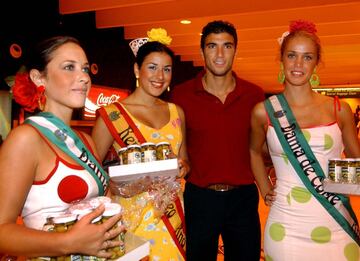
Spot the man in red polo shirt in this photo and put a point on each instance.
(220, 195)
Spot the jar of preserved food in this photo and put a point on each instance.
(97, 201)
(335, 170)
(348, 170)
(133, 154)
(163, 150)
(113, 209)
(122, 153)
(148, 152)
(357, 170)
(63, 223)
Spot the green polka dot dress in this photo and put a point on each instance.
(298, 227)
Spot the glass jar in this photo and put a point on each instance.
(97, 201)
(63, 223)
(349, 171)
(122, 153)
(133, 154)
(163, 150)
(148, 152)
(113, 209)
(357, 170)
(335, 170)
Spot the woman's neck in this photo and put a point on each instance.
(64, 115)
(140, 98)
(299, 95)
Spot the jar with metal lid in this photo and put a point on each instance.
(348, 170)
(97, 201)
(148, 152)
(335, 170)
(113, 209)
(357, 170)
(163, 150)
(122, 153)
(133, 154)
(63, 223)
(81, 209)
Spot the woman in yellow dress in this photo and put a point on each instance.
(152, 120)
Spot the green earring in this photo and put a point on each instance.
(281, 75)
(314, 79)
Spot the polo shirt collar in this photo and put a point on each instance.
(199, 88)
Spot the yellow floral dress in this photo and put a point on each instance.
(150, 226)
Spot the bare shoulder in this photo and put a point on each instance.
(24, 135)
(345, 113)
(332, 103)
(24, 143)
(259, 111)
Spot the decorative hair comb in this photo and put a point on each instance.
(154, 35)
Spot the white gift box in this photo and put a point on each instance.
(341, 188)
(136, 248)
(168, 168)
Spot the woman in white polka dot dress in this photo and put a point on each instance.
(304, 222)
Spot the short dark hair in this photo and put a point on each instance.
(151, 47)
(218, 27)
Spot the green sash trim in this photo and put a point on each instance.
(306, 165)
(66, 139)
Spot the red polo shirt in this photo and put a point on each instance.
(217, 134)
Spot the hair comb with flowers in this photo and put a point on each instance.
(298, 25)
(154, 35)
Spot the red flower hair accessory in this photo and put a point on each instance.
(302, 25)
(26, 93)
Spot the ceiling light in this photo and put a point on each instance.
(185, 22)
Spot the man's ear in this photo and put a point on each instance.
(36, 77)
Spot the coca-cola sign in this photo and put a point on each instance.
(104, 100)
(101, 96)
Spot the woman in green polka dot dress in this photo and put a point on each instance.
(299, 226)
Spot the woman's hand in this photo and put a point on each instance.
(270, 197)
(184, 168)
(94, 239)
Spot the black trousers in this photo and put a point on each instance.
(232, 214)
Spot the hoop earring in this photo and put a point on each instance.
(137, 82)
(281, 75)
(314, 79)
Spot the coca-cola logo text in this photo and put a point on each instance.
(104, 100)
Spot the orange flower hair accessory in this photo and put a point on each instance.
(26, 93)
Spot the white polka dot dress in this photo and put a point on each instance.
(298, 227)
